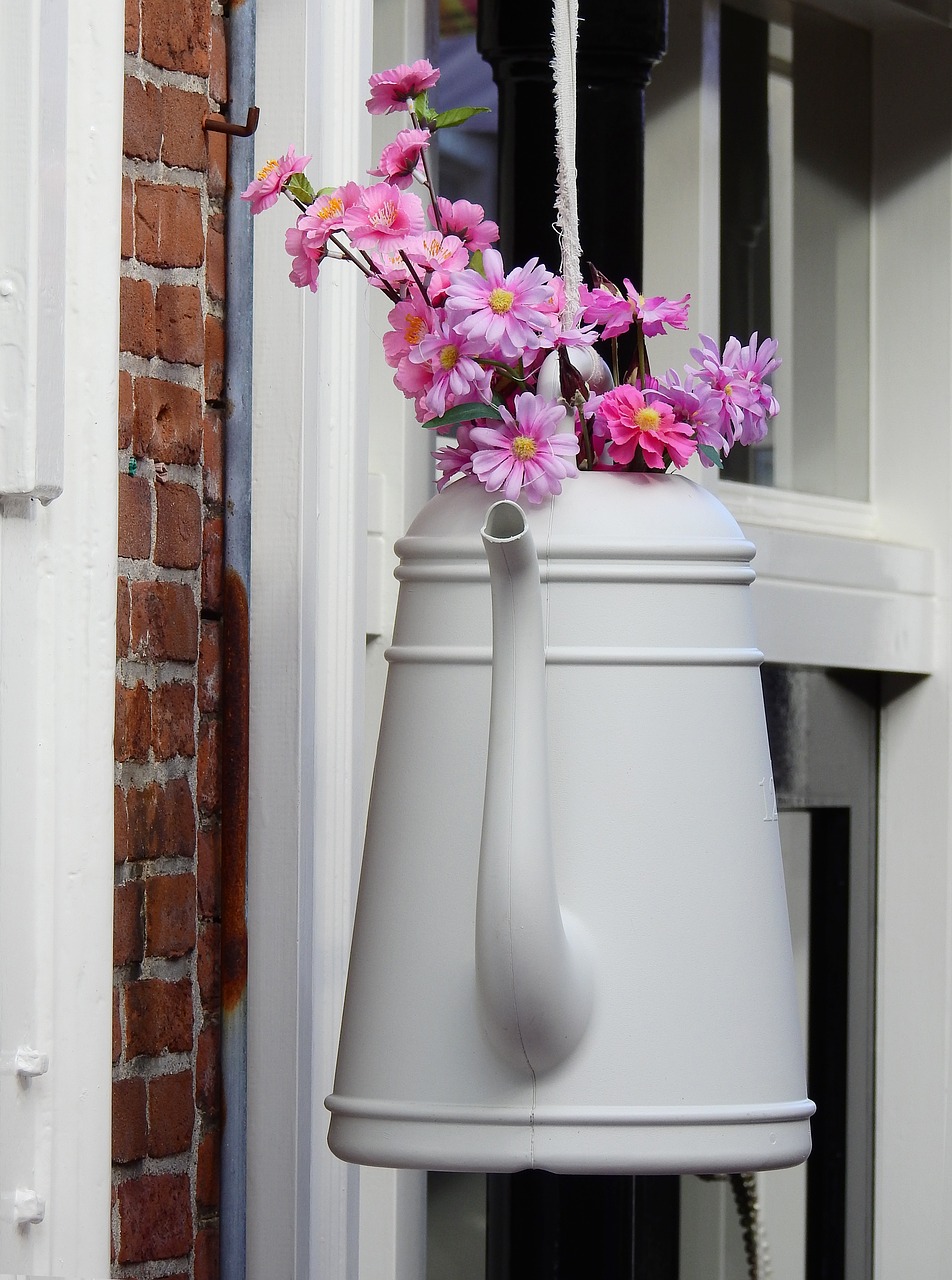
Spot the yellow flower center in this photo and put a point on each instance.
(414, 330)
(332, 209)
(266, 169)
(524, 447)
(647, 419)
(500, 301)
(385, 216)
(448, 356)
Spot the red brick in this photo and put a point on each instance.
(209, 874)
(125, 409)
(207, 1254)
(168, 225)
(213, 475)
(167, 421)
(158, 1017)
(207, 1076)
(215, 257)
(127, 941)
(218, 61)
(161, 821)
(208, 1172)
(209, 666)
(173, 720)
(213, 550)
(155, 1216)
(183, 138)
(217, 150)
(135, 517)
(176, 34)
(123, 617)
(128, 1120)
(164, 621)
(171, 1114)
(214, 358)
(120, 826)
(127, 228)
(116, 1026)
(178, 526)
(179, 331)
(208, 783)
(141, 120)
(132, 26)
(170, 915)
(208, 967)
(136, 317)
(133, 722)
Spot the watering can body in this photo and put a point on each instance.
(627, 1004)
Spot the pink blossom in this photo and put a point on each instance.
(382, 216)
(456, 377)
(616, 313)
(526, 452)
(400, 159)
(637, 420)
(455, 460)
(434, 252)
(465, 220)
(698, 406)
(658, 314)
(611, 312)
(326, 214)
(509, 313)
(263, 190)
(306, 254)
(735, 377)
(410, 321)
(391, 90)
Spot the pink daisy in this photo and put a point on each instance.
(383, 215)
(455, 460)
(263, 190)
(635, 422)
(391, 90)
(526, 452)
(457, 378)
(509, 313)
(400, 159)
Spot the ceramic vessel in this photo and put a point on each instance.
(571, 947)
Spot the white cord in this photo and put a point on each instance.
(564, 44)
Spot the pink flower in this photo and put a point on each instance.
(509, 313)
(401, 157)
(263, 191)
(457, 378)
(616, 313)
(391, 90)
(326, 214)
(434, 252)
(527, 452)
(698, 406)
(636, 422)
(409, 322)
(306, 254)
(465, 220)
(735, 377)
(383, 215)
(455, 460)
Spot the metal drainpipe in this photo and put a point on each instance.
(235, 647)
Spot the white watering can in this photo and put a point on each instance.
(571, 948)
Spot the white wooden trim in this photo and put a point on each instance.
(57, 681)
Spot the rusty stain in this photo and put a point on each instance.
(234, 817)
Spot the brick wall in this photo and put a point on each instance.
(168, 673)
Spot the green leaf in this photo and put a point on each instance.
(422, 108)
(300, 188)
(712, 455)
(470, 412)
(449, 119)
(476, 262)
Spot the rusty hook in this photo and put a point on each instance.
(217, 124)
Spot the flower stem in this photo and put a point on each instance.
(419, 283)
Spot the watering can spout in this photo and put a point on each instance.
(532, 968)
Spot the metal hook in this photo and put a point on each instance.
(217, 124)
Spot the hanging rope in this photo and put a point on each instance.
(564, 46)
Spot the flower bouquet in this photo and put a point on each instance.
(505, 362)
